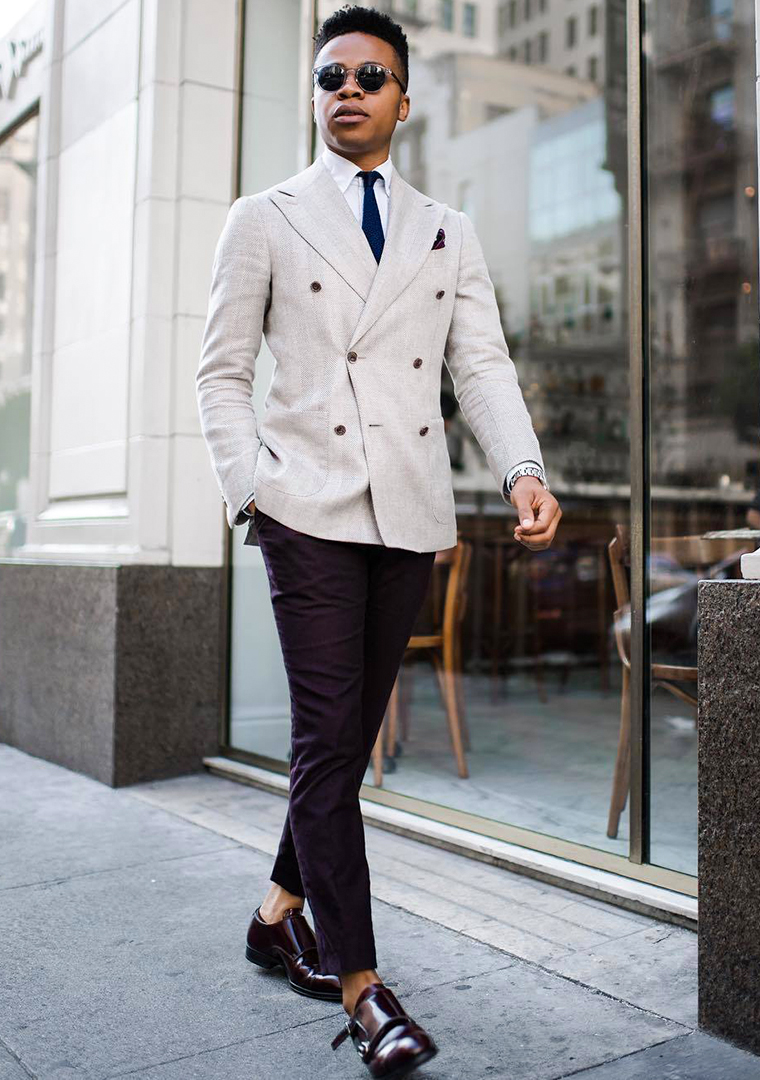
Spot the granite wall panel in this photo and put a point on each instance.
(113, 671)
(729, 810)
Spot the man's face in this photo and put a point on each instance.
(381, 111)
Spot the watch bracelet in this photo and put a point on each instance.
(528, 470)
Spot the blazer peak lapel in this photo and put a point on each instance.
(413, 219)
(316, 208)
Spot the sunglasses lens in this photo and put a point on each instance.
(331, 77)
(370, 77)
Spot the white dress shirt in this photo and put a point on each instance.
(346, 175)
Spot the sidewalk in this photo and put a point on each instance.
(122, 923)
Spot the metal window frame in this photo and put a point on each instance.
(640, 786)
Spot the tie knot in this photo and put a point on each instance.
(369, 177)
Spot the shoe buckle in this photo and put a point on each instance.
(344, 1032)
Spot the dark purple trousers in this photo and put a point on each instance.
(344, 613)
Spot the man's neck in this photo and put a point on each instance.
(366, 161)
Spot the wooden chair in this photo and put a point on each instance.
(444, 648)
(692, 552)
(553, 608)
(505, 553)
(532, 611)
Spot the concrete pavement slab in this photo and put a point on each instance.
(10, 1068)
(517, 1023)
(111, 971)
(634, 957)
(654, 968)
(56, 824)
(127, 960)
(696, 1056)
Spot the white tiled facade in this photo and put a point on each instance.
(137, 163)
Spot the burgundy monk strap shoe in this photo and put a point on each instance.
(388, 1041)
(290, 943)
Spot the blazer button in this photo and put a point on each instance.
(340, 429)
(424, 430)
(352, 356)
(417, 362)
(439, 294)
(315, 286)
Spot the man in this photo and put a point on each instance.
(363, 286)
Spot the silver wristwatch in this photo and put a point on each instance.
(527, 470)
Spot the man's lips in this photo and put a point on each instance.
(349, 113)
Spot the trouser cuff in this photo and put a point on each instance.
(293, 884)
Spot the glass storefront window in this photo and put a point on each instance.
(18, 194)
(702, 338)
(518, 723)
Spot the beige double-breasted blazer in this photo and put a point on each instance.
(350, 442)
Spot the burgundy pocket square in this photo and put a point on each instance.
(440, 240)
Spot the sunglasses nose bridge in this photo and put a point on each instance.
(348, 78)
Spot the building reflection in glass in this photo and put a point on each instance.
(701, 234)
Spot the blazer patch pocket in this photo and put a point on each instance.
(296, 445)
(441, 493)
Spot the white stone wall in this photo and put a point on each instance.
(138, 120)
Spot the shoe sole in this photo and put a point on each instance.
(265, 961)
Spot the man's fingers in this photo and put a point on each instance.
(548, 509)
(538, 512)
(539, 538)
(545, 514)
(524, 508)
(536, 541)
(543, 532)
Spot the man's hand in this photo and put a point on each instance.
(538, 511)
(251, 506)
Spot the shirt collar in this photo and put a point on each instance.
(343, 171)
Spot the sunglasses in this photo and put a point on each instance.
(371, 77)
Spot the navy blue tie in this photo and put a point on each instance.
(371, 224)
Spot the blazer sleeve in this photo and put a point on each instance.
(239, 297)
(484, 375)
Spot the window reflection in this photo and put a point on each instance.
(703, 342)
